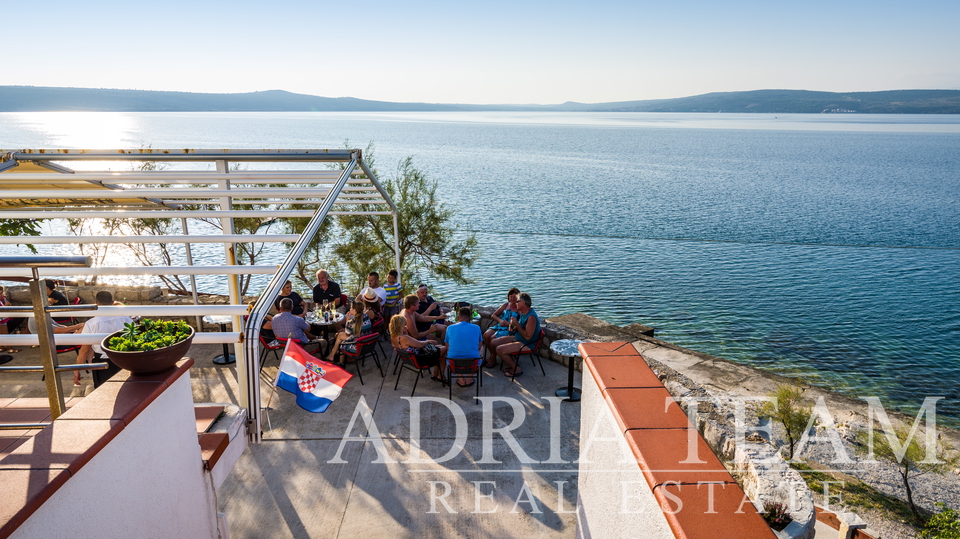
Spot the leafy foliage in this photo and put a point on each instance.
(790, 412)
(427, 243)
(21, 227)
(943, 525)
(148, 335)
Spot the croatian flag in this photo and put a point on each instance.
(316, 383)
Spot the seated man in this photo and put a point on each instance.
(326, 289)
(287, 326)
(428, 309)
(373, 283)
(412, 317)
(464, 341)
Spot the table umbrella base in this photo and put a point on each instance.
(565, 392)
(225, 360)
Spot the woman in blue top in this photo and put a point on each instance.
(525, 329)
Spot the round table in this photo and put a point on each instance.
(226, 358)
(452, 318)
(568, 348)
(323, 325)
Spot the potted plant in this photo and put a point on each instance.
(148, 346)
(776, 515)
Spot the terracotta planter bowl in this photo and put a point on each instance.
(152, 362)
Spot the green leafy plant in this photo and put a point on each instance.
(147, 335)
(943, 525)
(776, 515)
(789, 411)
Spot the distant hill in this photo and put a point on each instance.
(801, 101)
(39, 99)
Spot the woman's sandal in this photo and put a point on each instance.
(512, 374)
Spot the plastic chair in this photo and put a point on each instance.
(363, 346)
(409, 362)
(528, 350)
(269, 346)
(464, 369)
(379, 327)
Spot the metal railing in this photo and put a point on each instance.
(281, 184)
(48, 347)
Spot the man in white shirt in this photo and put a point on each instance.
(88, 352)
(373, 281)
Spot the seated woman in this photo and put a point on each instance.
(371, 304)
(524, 331)
(357, 324)
(288, 293)
(502, 318)
(402, 340)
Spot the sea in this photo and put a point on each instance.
(824, 247)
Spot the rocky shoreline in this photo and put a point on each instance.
(720, 383)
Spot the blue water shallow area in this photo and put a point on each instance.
(820, 246)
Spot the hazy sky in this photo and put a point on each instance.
(484, 52)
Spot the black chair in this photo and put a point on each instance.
(268, 346)
(529, 350)
(410, 362)
(363, 346)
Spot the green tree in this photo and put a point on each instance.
(909, 456)
(789, 410)
(427, 237)
(21, 227)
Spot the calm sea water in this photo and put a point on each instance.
(820, 246)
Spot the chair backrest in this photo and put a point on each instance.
(410, 357)
(540, 340)
(367, 339)
(76, 300)
(344, 300)
(275, 344)
(464, 366)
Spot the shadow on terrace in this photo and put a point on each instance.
(313, 476)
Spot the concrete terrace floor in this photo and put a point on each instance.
(294, 484)
(287, 486)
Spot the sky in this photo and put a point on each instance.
(490, 52)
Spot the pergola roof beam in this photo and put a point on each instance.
(222, 238)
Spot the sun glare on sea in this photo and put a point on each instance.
(85, 130)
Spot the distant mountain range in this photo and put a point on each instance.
(40, 99)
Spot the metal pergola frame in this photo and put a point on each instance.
(47, 188)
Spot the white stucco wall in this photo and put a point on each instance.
(614, 498)
(148, 482)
